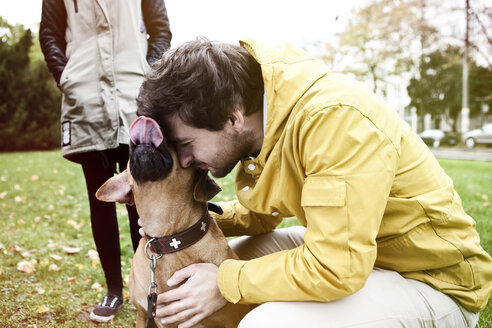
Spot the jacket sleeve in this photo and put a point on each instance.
(52, 36)
(157, 25)
(238, 220)
(349, 168)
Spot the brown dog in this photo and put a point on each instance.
(172, 204)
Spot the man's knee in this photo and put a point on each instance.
(251, 247)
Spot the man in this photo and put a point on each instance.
(98, 53)
(386, 242)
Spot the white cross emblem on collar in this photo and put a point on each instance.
(175, 243)
(204, 226)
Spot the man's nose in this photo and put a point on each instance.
(185, 159)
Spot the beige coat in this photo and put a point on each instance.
(366, 187)
(106, 51)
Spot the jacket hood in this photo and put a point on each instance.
(288, 72)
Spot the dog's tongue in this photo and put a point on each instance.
(146, 130)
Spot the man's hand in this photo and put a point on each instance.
(141, 231)
(197, 298)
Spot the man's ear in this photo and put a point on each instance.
(237, 119)
(116, 189)
(205, 187)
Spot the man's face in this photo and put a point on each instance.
(216, 151)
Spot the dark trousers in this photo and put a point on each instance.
(98, 167)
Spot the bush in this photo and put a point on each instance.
(29, 99)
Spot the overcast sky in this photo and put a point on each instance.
(301, 22)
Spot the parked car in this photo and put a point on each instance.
(478, 136)
(435, 137)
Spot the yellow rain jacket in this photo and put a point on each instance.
(368, 190)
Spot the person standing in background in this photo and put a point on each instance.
(98, 53)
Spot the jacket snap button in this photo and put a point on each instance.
(251, 167)
(275, 213)
(246, 188)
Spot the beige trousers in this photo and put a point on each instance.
(386, 300)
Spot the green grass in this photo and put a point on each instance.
(44, 210)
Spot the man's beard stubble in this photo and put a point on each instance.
(236, 148)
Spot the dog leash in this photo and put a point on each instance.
(152, 295)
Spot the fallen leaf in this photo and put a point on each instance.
(125, 279)
(3, 194)
(485, 204)
(54, 267)
(71, 279)
(26, 266)
(1, 271)
(126, 294)
(56, 257)
(17, 187)
(72, 250)
(40, 291)
(37, 219)
(97, 286)
(79, 266)
(32, 326)
(485, 197)
(44, 262)
(94, 256)
(18, 199)
(42, 309)
(74, 224)
(27, 253)
(34, 177)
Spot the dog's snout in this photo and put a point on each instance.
(148, 163)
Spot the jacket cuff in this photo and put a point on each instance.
(228, 279)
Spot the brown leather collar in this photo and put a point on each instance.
(185, 238)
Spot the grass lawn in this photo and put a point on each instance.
(49, 276)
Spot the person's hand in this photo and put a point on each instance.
(197, 298)
(141, 231)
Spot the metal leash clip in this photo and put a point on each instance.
(152, 295)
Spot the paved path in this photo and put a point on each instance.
(476, 154)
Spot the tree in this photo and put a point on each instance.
(29, 100)
(385, 38)
(436, 89)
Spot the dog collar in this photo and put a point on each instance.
(185, 238)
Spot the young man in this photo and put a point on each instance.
(98, 53)
(386, 241)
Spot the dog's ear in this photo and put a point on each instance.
(116, 189)
(205, 187)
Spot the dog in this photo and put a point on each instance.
(171, 202)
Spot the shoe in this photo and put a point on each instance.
(107, 308)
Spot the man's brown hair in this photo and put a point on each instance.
(202, 82)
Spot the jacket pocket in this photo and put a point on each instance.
(324, 191)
